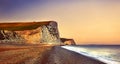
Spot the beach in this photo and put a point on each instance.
(42, 54)
(62, 56)
(22, 54)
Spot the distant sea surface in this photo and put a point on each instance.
(109, 54)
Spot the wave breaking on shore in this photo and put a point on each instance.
(83, 51)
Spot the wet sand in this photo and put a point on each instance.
(62, 56)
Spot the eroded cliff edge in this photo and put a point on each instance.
(30, 33)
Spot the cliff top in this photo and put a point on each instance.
(22, 25)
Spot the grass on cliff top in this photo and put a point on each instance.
(18, 26)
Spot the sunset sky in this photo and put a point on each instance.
(86, 21)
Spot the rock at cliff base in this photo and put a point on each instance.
(67, 41)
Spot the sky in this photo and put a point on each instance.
(86, 21)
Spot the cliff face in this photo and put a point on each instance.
(32, 32)
(68, 41)
(50, 33)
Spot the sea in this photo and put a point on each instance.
(109, 54)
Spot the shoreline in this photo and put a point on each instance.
(87, 54)
(42, 54)
(60, 55)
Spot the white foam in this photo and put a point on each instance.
(83, 52)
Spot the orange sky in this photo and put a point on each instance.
(87, 22)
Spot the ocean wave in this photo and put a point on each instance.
(87, 53)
